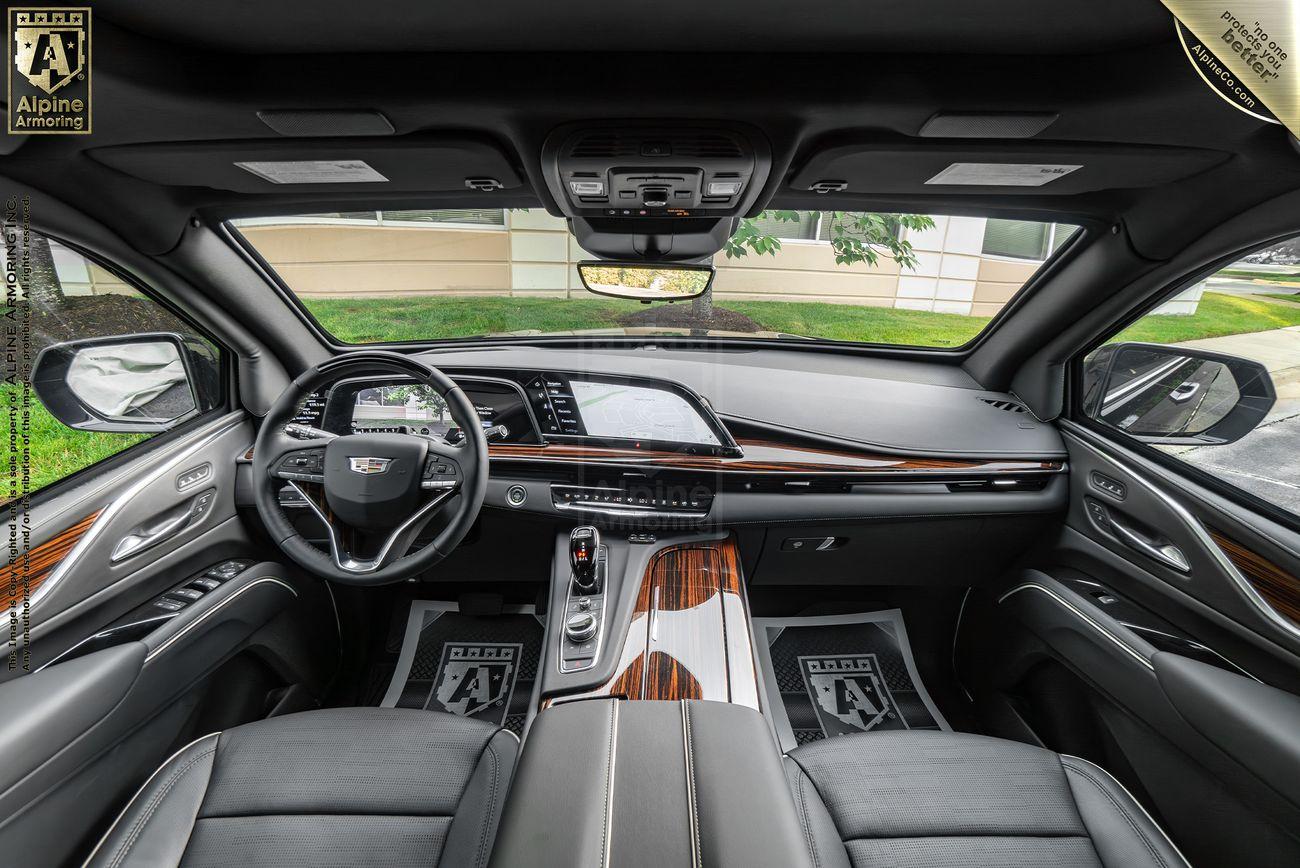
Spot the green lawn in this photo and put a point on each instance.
(1217, 315)
(56, 450)
(1283, 296)
(1266, 276)
(362, 320)
(852, 322)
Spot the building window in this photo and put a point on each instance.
(1024, 239)
(803, 229)
(455, 216)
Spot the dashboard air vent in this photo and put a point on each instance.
(1005, 406)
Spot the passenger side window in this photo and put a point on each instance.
(102, 366)
(1212, 376)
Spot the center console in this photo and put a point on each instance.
(649, 618)
(606, 782)
(649, 748)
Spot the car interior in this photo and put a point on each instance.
(753, 510)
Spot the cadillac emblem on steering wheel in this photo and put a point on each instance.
(369, 466)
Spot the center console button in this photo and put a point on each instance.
(580, 627)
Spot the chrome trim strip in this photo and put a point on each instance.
(351, 564)
(110, 512)
(1150, 819)
(692, 808)
(1123, 646)
(216, 608)
(1198, 530)
(652, 461)
(609, 784)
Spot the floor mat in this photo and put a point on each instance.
(475, 667)
(842, 674)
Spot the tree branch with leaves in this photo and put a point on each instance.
(855, 236)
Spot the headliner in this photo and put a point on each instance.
(194, 71)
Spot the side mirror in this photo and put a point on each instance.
(142, 383)
(646, 281)
(1176, 395)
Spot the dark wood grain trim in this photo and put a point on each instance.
(690, 632)
(40, 563)
(1279, 588)
(766, 456)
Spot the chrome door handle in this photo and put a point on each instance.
(1170, 555)
(142, 538)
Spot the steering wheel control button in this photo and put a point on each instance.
(304, 465)
(516, 495)
(440, 474)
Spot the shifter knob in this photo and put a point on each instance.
(584, 544)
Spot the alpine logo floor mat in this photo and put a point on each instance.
(849, 694)
(842, 674)
(476, 667)
(476, 680)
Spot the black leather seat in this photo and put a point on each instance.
(346, 787)
(930, 799)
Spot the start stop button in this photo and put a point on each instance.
(516, 495)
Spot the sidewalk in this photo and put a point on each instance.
(1262, 462)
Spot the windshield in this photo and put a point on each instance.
(905, 279)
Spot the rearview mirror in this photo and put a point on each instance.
(1176, 395)
(142, 383)
(646, 281)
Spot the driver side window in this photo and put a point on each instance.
(1211, 377)
(102, 351)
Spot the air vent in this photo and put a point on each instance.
(707, 146)
(599, 145)
(1005, 406)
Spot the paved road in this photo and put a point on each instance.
(1266, 462)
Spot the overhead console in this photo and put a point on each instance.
(661, 191)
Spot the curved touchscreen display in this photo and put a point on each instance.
(620, 411)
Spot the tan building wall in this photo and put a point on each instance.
(536, 256)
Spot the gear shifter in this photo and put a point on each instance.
(584, 546)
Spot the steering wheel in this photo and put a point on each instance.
(374, 492)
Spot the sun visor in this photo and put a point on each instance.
(416, 165)
(979, 168)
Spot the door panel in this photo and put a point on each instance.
(115, 682)
(1171, 659)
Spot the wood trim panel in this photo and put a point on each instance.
(41, 562)
(1277, 586)
(766, 456)
(690, 633)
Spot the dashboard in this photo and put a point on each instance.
(532, 408)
